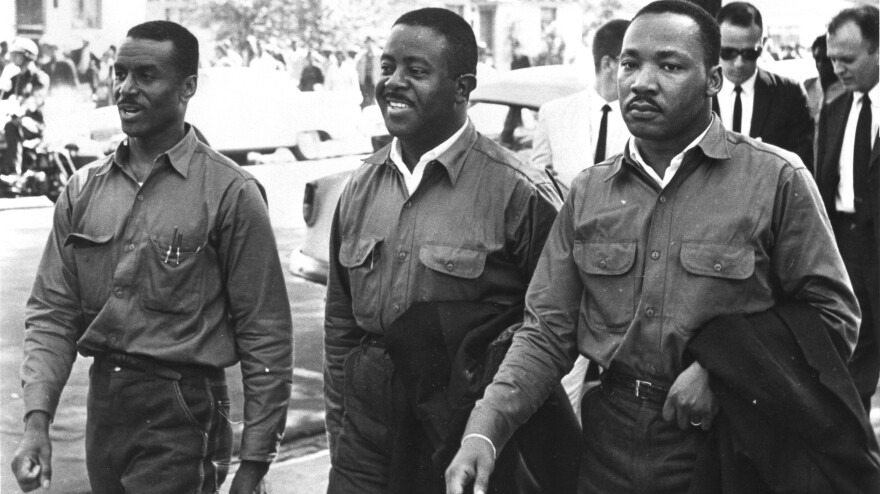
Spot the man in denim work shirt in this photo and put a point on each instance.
(690, 223)
(162, 265)
(440, 214)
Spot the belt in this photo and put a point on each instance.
(153, 368)
(646, 390)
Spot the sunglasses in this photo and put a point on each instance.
(750, 54)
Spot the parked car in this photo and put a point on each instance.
(523, 90)
(242, 110)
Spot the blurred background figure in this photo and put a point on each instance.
(825, 87)
(518, 60)
(312, 77)
(27, 91)
(60, 70)
(104, 78)
(368, 71)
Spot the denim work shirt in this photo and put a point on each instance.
(631, 271)
(109, 280)
(472, 231)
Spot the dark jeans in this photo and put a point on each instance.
(629, 448)
(858, 248)
(373, 455)
(146, 433)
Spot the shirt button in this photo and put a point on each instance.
(717, 267)
(649, 312)
(401, 255)
(655, 255)
(117, 369)
(408, 204)
(663, 199)
(652, 370)
(603, 264)
(450, 266)
(396, 307)
(120, 292)
(130, 246)
(113, 338)
(140, 198)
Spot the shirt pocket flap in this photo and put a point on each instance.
(355, 251)
(87, 240)
(454, 261)
(719, 261)
(605, 258)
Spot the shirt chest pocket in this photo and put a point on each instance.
(450, 272)
(93, 254)
(716, 276)
(360, 258)
(176, 275)
(606, 270)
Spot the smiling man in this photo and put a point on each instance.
(690, 223)
(161, 265)
(440, 214)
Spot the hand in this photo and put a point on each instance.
(248, 477)
(473, 463)
(690, 401)
(32, 463)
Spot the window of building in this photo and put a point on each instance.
(86, 14)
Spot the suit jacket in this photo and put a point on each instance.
(790, 418)
(781, 115)
(832, 124)
(564, 139)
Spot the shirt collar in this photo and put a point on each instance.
(873, 93)
(179, 155)
(451, 152)
(748, 85)
(713, 143)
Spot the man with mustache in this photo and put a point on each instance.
(161, 265)
(441, 214)
(690, 223)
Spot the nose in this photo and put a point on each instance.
(644, 80)
(126, 86)
(397, 78)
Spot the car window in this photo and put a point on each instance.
(490, 118)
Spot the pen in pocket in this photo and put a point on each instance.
(174, 245)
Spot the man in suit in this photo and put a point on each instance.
(753, 101)
(568, 137)
(848, 175)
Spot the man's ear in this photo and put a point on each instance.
(608, 63)
(464, 85)
(190, 84)
(714, 81)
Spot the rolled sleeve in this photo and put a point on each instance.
(805, 257)
(53, 320)
(260, 314)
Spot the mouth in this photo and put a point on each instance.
(396, 104)
(641, 108)
(128, 111)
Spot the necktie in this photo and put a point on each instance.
(862, 158)
(603, 135)
(737, 110)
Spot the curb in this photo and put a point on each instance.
(9, 203)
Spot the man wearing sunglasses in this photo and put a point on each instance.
(755, 102)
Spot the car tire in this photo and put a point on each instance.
(308, 145)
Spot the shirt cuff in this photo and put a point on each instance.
(42, 397)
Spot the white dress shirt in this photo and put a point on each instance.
(568, 128)
(414, 178)
(726, 98)
(674, 164)
(844, 202)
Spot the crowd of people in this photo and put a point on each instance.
(710, 253)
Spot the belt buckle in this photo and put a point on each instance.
(639, 384)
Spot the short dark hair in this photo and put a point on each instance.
(608, 39)
(186, 46)
(820, 43)
(742, 14)
(710, 35)
(462, 56)
(864, 16)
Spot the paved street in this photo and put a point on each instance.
(24, 233)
